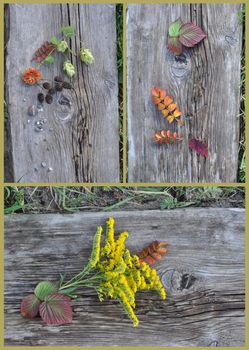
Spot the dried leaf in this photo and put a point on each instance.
(198, 146)
(166, 137)
(191, 34)
(45, 50)
(56, 309)
(30, 306)
(153, 252)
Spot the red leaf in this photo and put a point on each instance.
(191, 34)
(30, 306)
(199, 146)
(56, 309)
(175, 45)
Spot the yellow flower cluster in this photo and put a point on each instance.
(123, 274)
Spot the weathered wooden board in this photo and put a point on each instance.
(205, 86)
(83, 146)
(203, 275)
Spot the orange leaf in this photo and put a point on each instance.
(161, 106)
(163, 93)
(167, 101)
(150, 260)
(156, 100)
(155, 91)
(172, 107)
(177, 113)
(165, 112)
(170, 118)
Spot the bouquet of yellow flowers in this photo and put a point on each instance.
(111, 270)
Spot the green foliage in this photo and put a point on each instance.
(54, 41)
(45, 288)
(49, 60)
(174, 28)
(68, 31)
(172, 203)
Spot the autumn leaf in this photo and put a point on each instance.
(153, 252)
(198, 146)
(56, 309)
(191, 34)
(175, 45)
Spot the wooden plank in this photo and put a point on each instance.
(203, 274)
(75, 146)
(205, 86)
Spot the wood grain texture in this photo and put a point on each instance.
(203, 274)
(85, 146)
(205, 86)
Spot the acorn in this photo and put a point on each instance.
(46, 85)
(51, 91)
(49, 99)
(67, 85)
(58, 79)
(59, 86)
(40, 97)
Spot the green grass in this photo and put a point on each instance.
(242, 165)
(74, 199)
(119, 25)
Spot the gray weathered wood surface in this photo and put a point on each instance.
(85, 146)
(203, 274)
(206, 88)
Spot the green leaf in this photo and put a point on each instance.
(49, 60)
(56, 309)
(45, 288)
(174, 28)
(54, 40)
(68, 31)
(30, 306)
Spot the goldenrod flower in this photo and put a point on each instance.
(95, 255)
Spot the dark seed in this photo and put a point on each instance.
(67, 85)
(40, 97)
(49, 99)
(58, 86)
(51, 91)
(46, 85)
(58, 79)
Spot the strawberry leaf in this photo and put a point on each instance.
(191, 34)
(56, 309)
(174, 28)
(45, 288)
(174, 45)
(30, 306)
(198, 146)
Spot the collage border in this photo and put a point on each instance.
(124, 183)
